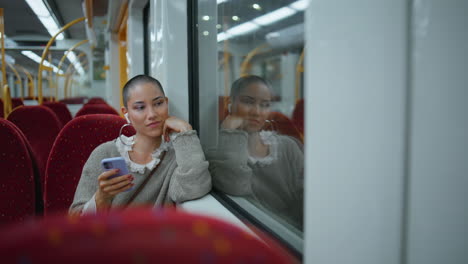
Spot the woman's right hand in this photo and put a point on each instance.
(232, 122)
(109, 188)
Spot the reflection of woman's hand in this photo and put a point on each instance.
(174, 124)
(232, 122)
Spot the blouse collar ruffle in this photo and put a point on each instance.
(127, 145)
(268, 138)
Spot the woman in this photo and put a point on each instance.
(164, 146)
(261, 165)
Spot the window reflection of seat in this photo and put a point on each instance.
(283, 125)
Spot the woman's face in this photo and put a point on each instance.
(147, 109)
(253, 105)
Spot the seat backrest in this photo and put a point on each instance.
(15, 102)
(96, 109)
(298, 115)
(17, 195)
(72, 148)
(137, 235)
(283, 125)
(40, 126)
(96, 100)
(61, 110)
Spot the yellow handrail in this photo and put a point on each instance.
(44, 53)
(2, 42)
(7, 105)
(63, 59)
(19, 79)
(250, 55)
(299, 70)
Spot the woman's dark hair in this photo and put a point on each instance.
(239, 84)
(138, 80)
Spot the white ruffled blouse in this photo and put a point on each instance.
(127, 145)
(268, 138)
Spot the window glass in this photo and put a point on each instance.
(254, 74)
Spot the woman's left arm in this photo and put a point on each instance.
(191, 178)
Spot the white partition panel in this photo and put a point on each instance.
(355, 119)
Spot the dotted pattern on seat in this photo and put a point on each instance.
(40, 126)
(72, 148)
(136, 236)
(283, 125)
(61, 110)
(298, 116)
(16, 178)
(96, 109)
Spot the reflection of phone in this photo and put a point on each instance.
(115, 163)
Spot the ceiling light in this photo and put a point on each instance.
(256, 6)
(300, 5)
(206, 33)
(46, 17)
(218, 26)
(235, 18)
(221, 1)
(33, 56)
(74, 60)
(274, 16)
(206, 18)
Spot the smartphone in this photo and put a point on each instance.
(115, 163)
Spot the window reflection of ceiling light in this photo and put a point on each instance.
(235, 18)
(33, 56)
(243, 28)
(274, 16)
(256, 6)
(206, 33)
(206, 18)
(223, 36)
(263, 20)
(220, 1)
(45, 17)
(218, 26)
(300, 5)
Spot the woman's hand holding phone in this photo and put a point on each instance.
(109, 186)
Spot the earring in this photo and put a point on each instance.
(126, 117)
(272, 124)
(120, 134)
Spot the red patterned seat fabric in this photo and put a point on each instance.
(137, 235)
(17, 194)
(283, 125)
(96, 109)
(61, 110)
(40, 126)
(72, 148)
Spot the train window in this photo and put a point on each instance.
(250, 70)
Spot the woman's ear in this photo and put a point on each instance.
(125, 112)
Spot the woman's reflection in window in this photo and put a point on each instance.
(265, 167)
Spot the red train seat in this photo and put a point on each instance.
(137, 235)
(17, 189)
(15, 102)
(61, 110)
(72, 148)
(298, 115)
(96, 109)
(40, 126)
